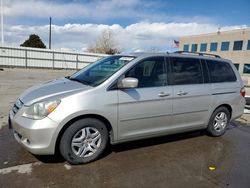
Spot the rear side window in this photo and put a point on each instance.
(186, 71)
(220, 71)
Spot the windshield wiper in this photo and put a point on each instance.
(77, 80)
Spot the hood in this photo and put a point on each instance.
(52, 89)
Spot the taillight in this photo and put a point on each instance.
(242, 92)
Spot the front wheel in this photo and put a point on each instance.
(219, 122)
(84, 141)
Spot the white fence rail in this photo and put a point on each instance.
(42, 58)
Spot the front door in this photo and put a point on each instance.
(146, 110)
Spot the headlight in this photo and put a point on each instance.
(41, 109)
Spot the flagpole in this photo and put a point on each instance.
(2, 22)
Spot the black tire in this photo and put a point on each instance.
(212, 129)
(69, 152)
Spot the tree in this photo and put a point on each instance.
(105, 44)
(33, 41)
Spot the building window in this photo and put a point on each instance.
(203, 47)
(224, 46)
(236, 66)
(194, 48)
(248, 45)
(238, 45)
(246, 69)
(213, 46)
(186, 47)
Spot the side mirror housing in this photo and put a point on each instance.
(128, 83)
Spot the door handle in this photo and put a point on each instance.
(162, 94)
(180, 93)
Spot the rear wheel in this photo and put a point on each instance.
(84, 141)
(219, 121)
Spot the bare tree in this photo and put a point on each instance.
(105, 44)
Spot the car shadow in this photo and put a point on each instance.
(155, 141)
(130, 145)
(50, 158)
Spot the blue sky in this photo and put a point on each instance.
(224, 12)
(79, 22)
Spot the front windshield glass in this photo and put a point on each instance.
(101, 70)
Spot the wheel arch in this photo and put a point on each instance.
(226, 106)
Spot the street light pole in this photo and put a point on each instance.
(2, 22)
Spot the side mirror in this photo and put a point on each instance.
(128, 83)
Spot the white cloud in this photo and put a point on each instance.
(97, 10)
(74, 9)
(138, 36)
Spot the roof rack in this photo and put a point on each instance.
(197, 53)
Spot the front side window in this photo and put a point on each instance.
(220, 71)
(224, 46)
(186, 48)
(203, 47)
(194, 48)
(213, 46)
(100, 71)
(150, 72)
(238, 45)
(186, 71)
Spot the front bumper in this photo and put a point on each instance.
(37, 136)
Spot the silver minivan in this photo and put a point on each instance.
(127, 97)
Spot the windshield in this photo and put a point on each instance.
(101, 70)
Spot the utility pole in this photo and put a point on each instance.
(49, 32)
(2, 22)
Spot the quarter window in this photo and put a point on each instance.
(203, 47)
(150, 72)
(238, 45)
(225, 46)
(213, 46)
(186, 71)
(220, 71)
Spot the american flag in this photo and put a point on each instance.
(176, 44)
